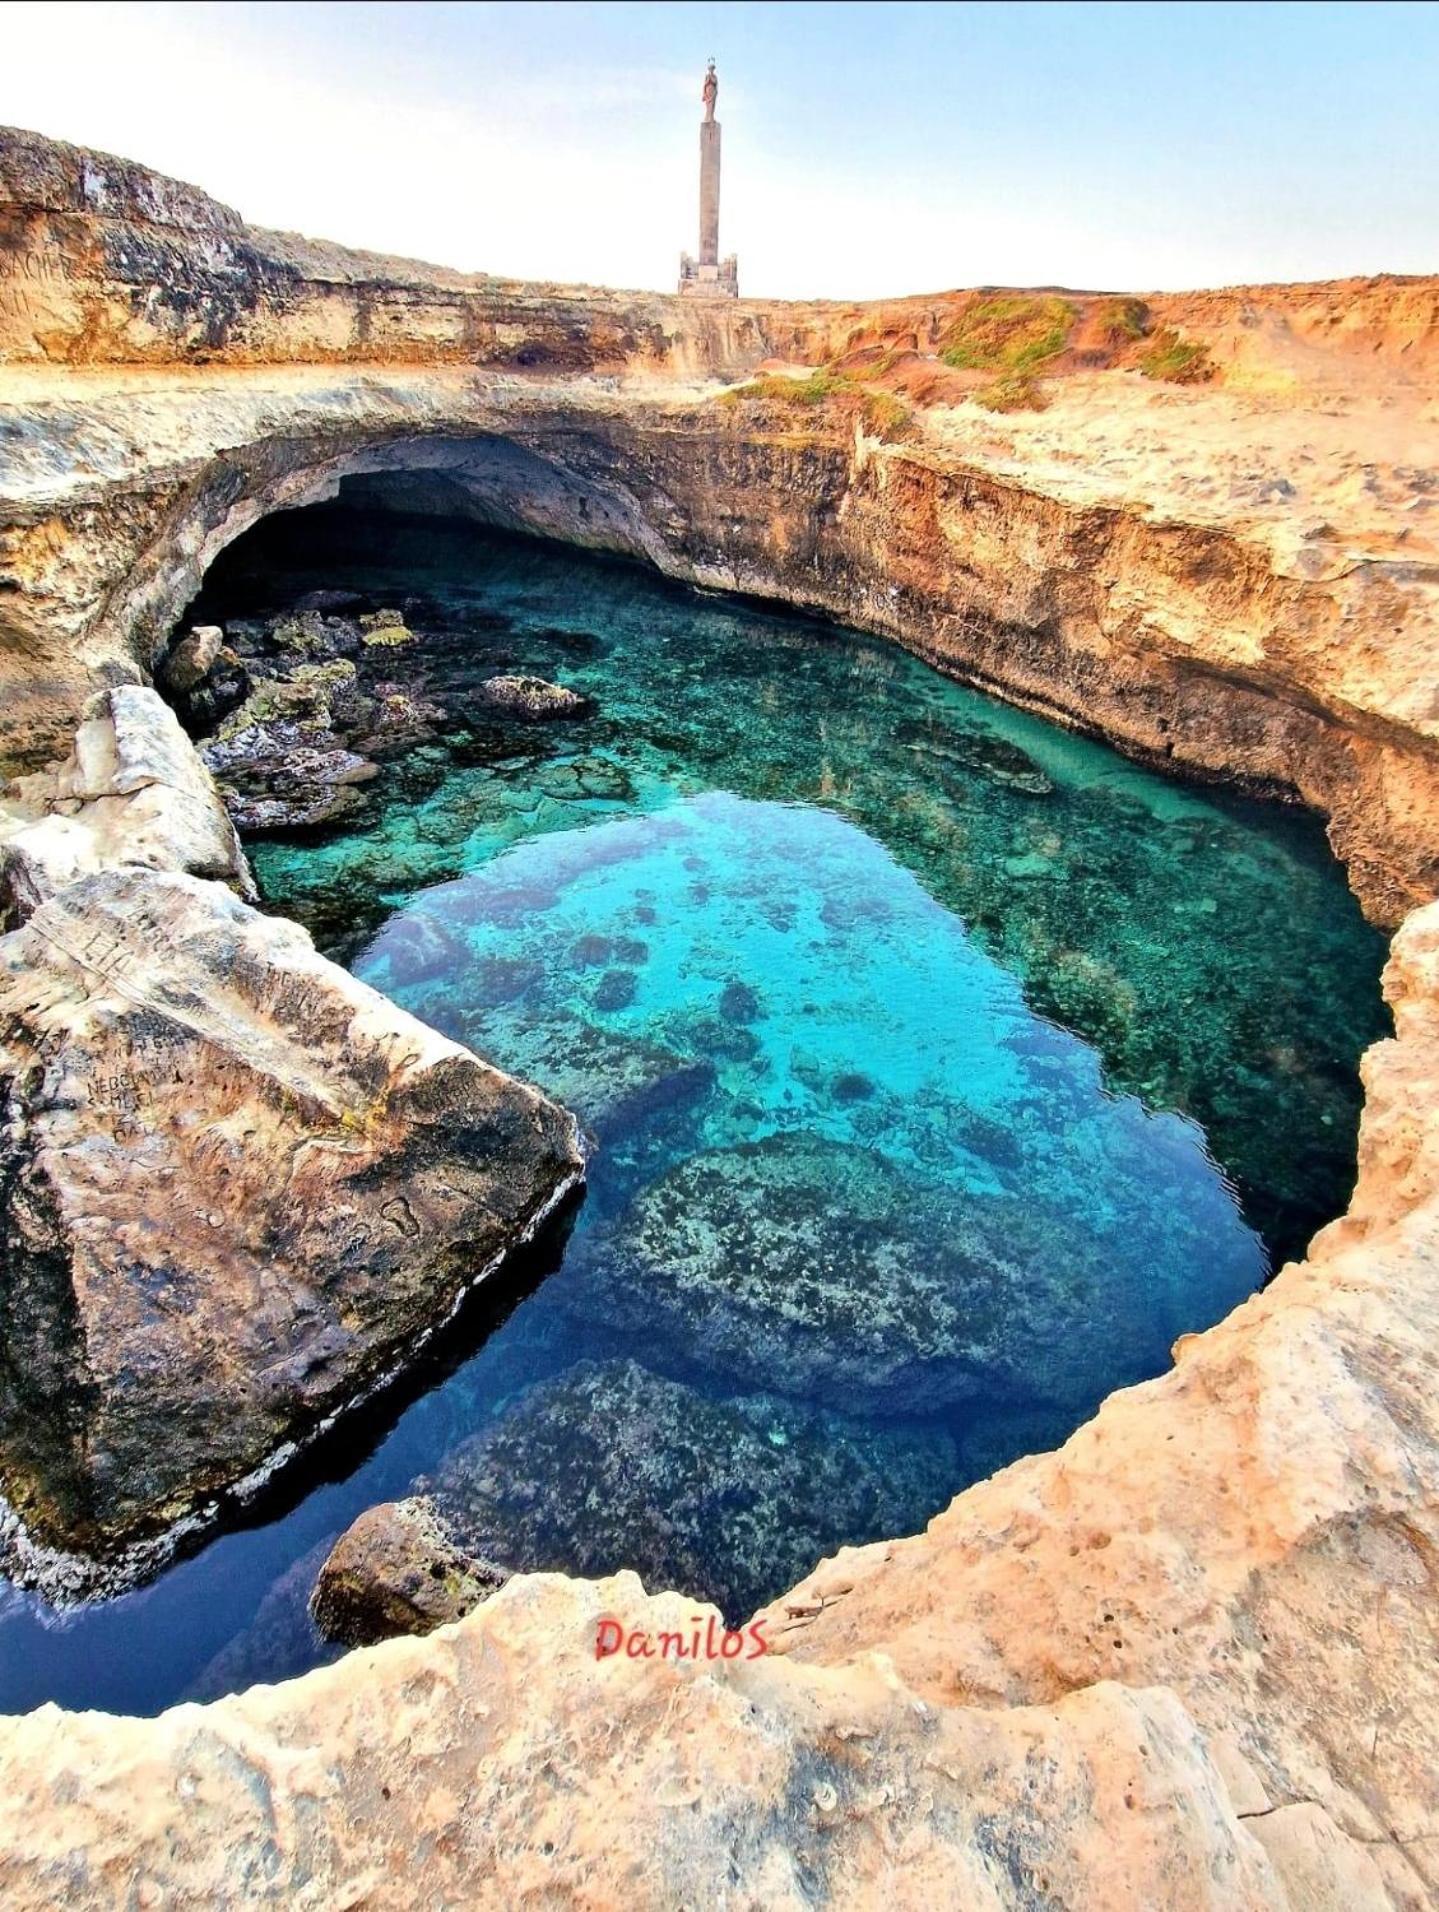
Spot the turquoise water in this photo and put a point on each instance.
(943, 1068)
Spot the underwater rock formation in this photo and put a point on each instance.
(531, 699)
(821, 1267)
(661, 1467)
(239, 1188)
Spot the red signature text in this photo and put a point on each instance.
(705, 1639)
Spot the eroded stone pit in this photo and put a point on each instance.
(918, 1043)
(1208, 1618)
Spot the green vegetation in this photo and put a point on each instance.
(821, 384)
(884, 415)
(1181, 361)
(1009, 333)
(1019, 393)
(1121, 321)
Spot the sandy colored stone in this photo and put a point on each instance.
(131, 792)
(496, 1764)
(190, 662)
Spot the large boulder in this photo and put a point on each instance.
(191, 660)
(132, 791)
(398, 1569)
(239, 1188)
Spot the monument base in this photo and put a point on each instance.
(705, 280)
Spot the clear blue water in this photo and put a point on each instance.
(943, 1067)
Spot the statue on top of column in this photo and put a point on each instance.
(711, 90)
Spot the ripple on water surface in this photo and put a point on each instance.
(945, 1068)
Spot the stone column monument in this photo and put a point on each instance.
(709, 276)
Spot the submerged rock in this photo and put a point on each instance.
(532, 699)
(610, 1465)
(824, 1270)
(241, 1188)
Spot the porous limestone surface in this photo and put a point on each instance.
(132, 792)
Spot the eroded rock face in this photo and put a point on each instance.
(238, 1188)
(131, 792)
(499, 1764)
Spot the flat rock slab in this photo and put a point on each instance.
(239, 1187)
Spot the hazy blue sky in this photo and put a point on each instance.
(868, 149)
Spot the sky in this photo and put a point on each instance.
(868, 150)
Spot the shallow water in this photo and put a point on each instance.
(944, 1066)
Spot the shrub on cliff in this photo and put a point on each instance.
(883, 415)
(1022, 393)
(1119, 322)
(1180, 361)
(1010, 333)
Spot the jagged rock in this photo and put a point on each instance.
(132, 791)
(315, 635)
(279, 759)
(316, 807)
(725, 1499)
(399, 718)
(532, 700)
(320, 695)
(224, 690)
(189, 663)
(398, 1569)
(240, 1188)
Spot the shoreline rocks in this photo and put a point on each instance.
(131, 792)
(240, 1190)
(295, 715)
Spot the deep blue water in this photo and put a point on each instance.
(944, 1068)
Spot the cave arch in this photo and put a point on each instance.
(487, 477)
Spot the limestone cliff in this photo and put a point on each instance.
(1236, 577)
